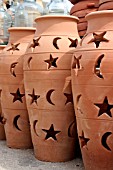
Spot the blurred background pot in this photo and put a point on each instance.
(105, 5)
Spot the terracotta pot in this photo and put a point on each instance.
(74, 1)
(81, 33)
(108, 5)
(104, 1)
(13, 103)
(2, 131)
(81, 9)
(83, 13)
(82, 5)
(92, 79)
(49, 99)
(82, 26)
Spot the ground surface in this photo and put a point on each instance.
(16, 159)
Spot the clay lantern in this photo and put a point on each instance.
(92, 86)
(47, 70)
(17, 127)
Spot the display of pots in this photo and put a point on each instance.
(105, 5)
(13, 102)
(92, 86)
(47, 64)
(81, 9)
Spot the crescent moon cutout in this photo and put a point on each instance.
(15, 122)
(55, 42)
(72, 130)
(12, 67)
(97, 70)
(48, 96)
(104, 139)
(29, 60)
(34, 126)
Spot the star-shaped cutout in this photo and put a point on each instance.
(17, 96)
(98, 38)
(34, 97)
(76, 64)
(69, 98)
(83, 140)
(51, 133)
(74, 43)
(14, 47)
(35, 43)
(51, 62)
(105, 107)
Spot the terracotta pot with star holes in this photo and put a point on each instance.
(92, 86)
(81, 9)
(2, 121)
(105, 5)
(13, 102)
(50, 103)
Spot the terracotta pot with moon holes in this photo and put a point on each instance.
(2, 121)
(105, 5)
(92, 87)
(49, 100)
(81, 9)
(13, 103)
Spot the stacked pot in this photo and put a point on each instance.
(47, 66)
(81, 9)
(92, 86)
(105, 5)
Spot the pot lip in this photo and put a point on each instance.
(21, 29)
(93, 14)
(57, 16)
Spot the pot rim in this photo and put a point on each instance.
(103, 12)
(57, 16)
(1, 46)
(21, 29)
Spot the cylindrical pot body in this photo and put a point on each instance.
(13, 103)
(92, 77)
(47, 64)
(81, 9)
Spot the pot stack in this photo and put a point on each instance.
(81, 9)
